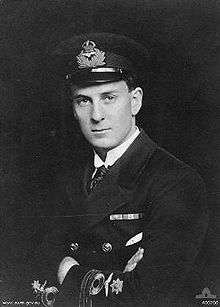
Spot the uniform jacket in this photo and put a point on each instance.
(147, 195)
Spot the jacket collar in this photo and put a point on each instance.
(135, 160)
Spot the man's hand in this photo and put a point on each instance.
(131, 264)
(64, 268)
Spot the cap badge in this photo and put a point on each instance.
(90, 56)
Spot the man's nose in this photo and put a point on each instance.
(97, 112)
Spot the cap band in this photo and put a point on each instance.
(100, 70)
(107, 69)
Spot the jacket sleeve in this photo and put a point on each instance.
(172, 239)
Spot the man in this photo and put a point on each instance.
(137, 214)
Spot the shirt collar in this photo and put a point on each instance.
(114, 154)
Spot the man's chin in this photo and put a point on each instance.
(102, 145)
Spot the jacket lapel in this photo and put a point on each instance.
(87, 176)
(116, 189)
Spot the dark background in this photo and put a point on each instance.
(38, 136)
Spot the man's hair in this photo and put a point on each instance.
(132, 81)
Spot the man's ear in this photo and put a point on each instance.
(136, 100)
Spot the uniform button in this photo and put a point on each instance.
(106, 247)
(74, 246)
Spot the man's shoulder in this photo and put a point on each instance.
(155, 156)
(165, 163)
(149, 162)
(162, 159)
(161, 166)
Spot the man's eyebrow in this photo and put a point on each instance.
(110, 92)
(113, 91)
(76, 96)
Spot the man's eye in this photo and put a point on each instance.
(109, 98)
(82, 102)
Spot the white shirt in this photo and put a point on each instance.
(114, 154)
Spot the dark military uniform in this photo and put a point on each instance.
(146, 191)
(148, 200)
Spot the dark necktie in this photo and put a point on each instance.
(99, 175)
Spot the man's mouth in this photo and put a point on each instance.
(100, 130)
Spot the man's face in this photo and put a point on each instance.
(106, 113)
